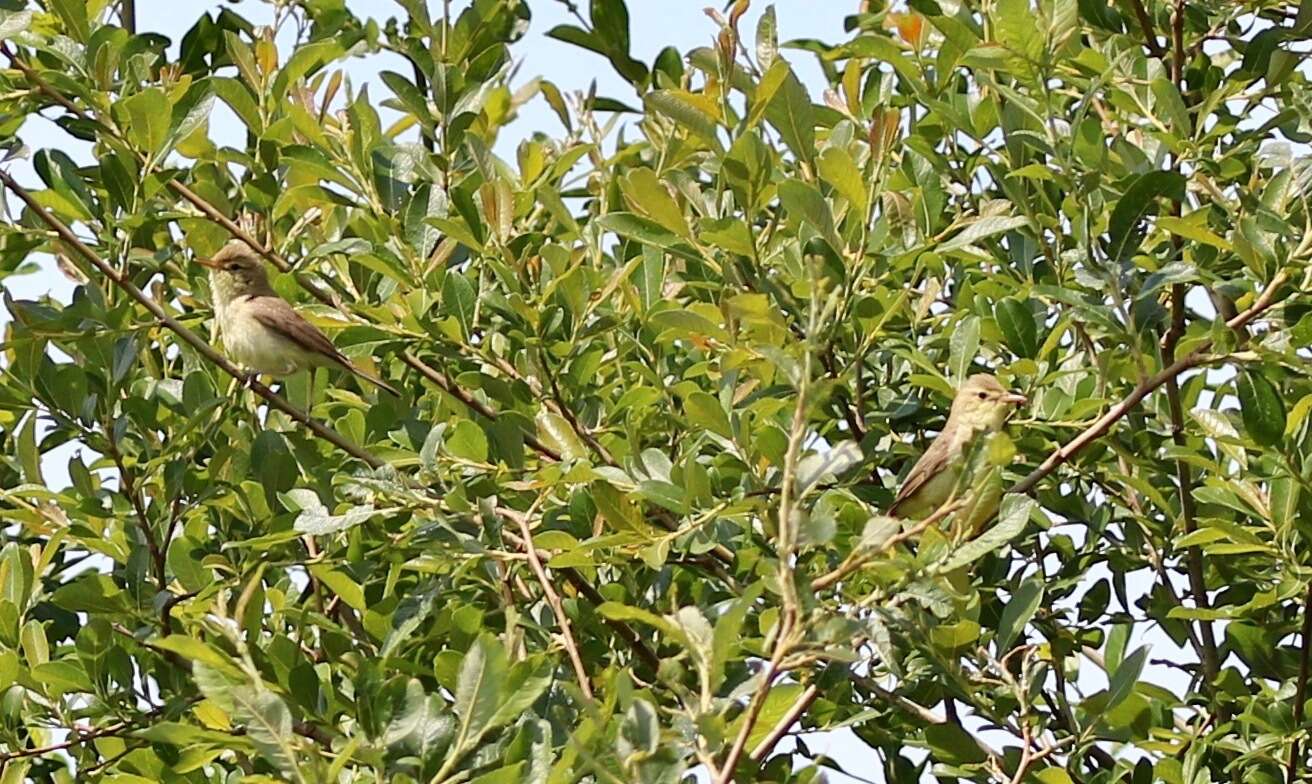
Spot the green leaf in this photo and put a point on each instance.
(782, 698)
(705, 411)
(1020, 608)
(646, 231)
(240, 99)
(1187, 228)
(95, 593)
(272, 461)
(460, 300)
(649, 196)
(767, 39)
(557, 433)
(1019, 329)
(1138, 203)
(1125, 678)
(804, 202)
(962, 347)
(682, 107)
(467, 441)
(268, 724)
(1013, 515)
(315, 520)
(342, 585)
(839, 169)
(832, 462)
(147, 116)
(479, 689)
(640, 732)
(305, 60)
(952, 744)
(793, 116)
(73, 14)
(1262, 408)
(982, 228)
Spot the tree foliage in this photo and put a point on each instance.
(661, 372)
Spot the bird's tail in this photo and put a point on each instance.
(372, 379)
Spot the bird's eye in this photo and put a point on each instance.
(983, 395)
(233, 267)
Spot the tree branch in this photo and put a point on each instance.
(1146, 24)
(129, 488)
(78, 736)
(189, 337)
(587, 590)
(749, 719)
(571, 647)
(1104, 423)
(1300, 696)
(785, 723)
(213, 214)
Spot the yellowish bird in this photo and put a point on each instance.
(981, 407)
(260, 330)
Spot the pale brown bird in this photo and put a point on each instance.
(260, 330)
(980, 407)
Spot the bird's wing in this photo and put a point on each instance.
(275, 314)
(926, 468)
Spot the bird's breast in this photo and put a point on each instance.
(249, 343)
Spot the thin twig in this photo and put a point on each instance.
(129, 488)
(749, 718)
(571, 647)
(786, 722)
(77, 737)
(1300, 695)
(589, 592)
(1146, 24)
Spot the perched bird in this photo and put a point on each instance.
(980, 407)
(260, 330)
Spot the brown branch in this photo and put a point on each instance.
(754, 708)
(1300, 696)
(590, 592)
(1104, 423)
(201, 347)
(1146, 24)
(785, 723)
(1206, 647)
(129, 488)
(1184, 480)
(443, 382)
(571, 647)
(565, 411)
(79, 736)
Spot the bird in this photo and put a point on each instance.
(980, 407)
(260, 330)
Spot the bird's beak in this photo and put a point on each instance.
(210, 263)
(1015, 399)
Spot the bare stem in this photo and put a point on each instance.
(557, 607)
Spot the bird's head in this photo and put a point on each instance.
(236, 271)
(984, 403)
